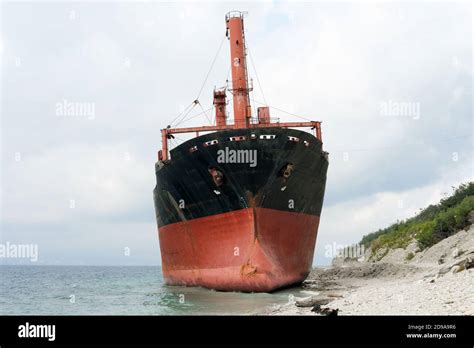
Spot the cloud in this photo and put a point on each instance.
(75, 182)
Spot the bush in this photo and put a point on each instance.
(451, 220)
(430, 226)
(425, 234)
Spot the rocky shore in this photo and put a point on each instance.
(436, 281)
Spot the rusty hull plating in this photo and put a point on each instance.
(228, 225)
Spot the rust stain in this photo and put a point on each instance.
(248, 270)
(217, 176)
(253, 201)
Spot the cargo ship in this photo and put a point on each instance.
(238, 205)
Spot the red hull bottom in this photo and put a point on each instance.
(251, 250)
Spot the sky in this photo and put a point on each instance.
(87, 86)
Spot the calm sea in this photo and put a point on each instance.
(97, 290)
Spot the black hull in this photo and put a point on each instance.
(186, 190)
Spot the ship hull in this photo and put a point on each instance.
(255, 230)
(254, 249)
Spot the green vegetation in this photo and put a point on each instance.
(410, 256)
(428, 227)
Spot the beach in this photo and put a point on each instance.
(435, 281)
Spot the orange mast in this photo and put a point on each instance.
(240, 88)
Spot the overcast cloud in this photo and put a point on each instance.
(80, 186)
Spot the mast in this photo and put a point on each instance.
(240, 90)
(240, 87)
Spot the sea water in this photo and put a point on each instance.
(128, 290)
